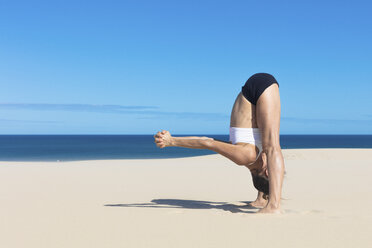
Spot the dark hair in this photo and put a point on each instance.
(261, 183)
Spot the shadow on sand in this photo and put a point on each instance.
(191, 204)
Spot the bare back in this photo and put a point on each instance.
(243, 113)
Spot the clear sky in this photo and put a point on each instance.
(136, 67)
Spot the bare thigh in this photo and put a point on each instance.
(268, 116)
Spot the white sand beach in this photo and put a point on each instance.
(186, 202)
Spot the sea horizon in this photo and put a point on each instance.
(200, 134)
(71, 147)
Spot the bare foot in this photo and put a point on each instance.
(269, 210)
(258, 203)
(163, 139)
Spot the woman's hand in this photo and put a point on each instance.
(163, 139)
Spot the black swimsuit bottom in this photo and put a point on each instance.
(256, 85)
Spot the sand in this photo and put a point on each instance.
(186, 202)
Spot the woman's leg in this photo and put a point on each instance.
(260, 201)
(244, 154)
(268, 120)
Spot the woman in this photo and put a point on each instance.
(254, 139)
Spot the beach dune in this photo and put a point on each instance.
(186, 202)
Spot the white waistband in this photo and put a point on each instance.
(246, 135)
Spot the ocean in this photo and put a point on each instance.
(96, 147)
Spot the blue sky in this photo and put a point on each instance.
(136, 67)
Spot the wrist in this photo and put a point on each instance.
(172, 141)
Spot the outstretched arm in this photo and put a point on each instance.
(164, 139)
(241, 155)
